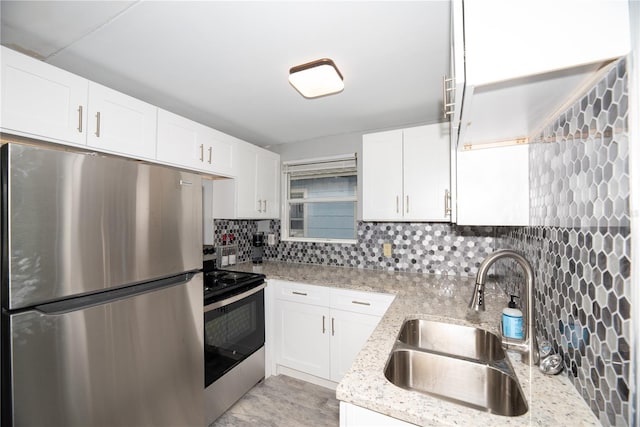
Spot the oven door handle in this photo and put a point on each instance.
(234, 298)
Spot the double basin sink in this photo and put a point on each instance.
(460, 364)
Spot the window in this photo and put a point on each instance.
(320, 199)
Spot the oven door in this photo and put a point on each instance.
(233, 331)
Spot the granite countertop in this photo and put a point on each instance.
(552, 400)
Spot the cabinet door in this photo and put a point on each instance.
(498, 49)
(349, 332)
(356, 416)
(457, 68)
(426, 173)
(493, 186)
(219, 152)
(184, 142)
(121, 124)
(268, 189)
(180, 141)
(303, 337)
(41, 100)
(382, 176)
(245, 189)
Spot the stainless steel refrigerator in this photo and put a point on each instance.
(102, 319)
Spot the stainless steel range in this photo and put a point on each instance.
(233, 335)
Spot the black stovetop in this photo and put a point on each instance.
(222, 284)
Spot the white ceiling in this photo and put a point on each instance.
(225, 64)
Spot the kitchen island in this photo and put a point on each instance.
(552, 400)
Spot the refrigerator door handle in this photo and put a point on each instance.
(72, 304)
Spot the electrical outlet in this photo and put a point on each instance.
(386, 249)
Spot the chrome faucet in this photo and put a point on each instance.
(528, 345)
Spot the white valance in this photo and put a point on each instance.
(327, 166)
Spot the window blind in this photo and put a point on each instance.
(321, 167)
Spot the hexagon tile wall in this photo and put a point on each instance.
(580, 241)
(436, 248)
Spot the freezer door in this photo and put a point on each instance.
(81, 222)
(132, 362)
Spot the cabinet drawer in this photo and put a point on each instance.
(306, 294)
(360, 302)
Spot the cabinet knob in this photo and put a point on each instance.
(202, 152)
(210, 154)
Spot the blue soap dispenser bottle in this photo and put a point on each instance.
(512, 321)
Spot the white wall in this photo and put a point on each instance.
(320, 147)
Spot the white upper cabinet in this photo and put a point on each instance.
(426, 173)
(45, 102)
(220, 151)
(525, 60)
(42, 101)
(255, 191)
(453, 84)
(406, 174)
(268, 184)
(121, 124)
(183, 142)
(493, 186)
(245, 190)
(382, 175)
(502, 42)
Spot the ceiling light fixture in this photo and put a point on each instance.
(316, 78)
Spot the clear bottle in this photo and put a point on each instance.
(225, 252)
(512, 321)
(232, 250)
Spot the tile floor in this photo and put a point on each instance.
(281, 401)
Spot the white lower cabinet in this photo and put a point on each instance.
(349, 332)
(314, 335)
(303, 338)
(355, 416)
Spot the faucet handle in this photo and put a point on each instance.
(477, 299)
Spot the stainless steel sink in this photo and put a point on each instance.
(475, 385)
(456, 340)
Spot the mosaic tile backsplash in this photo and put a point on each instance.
(242, 232)
(579, 244)
(437, 248)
